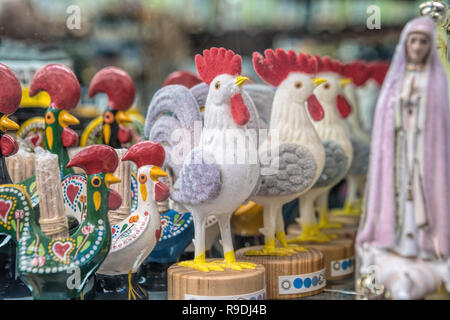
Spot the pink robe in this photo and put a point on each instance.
(378, 225)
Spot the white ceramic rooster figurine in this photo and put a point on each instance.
(218, 176)
(323, 109)
(293, 141)
(135, 236)
(358, 72)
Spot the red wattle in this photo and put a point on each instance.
(69, 138)
(315, 108)
(343, 106)
(162, 192)
(124, 134)
(114, 200)
(239, 110)
(8, 145)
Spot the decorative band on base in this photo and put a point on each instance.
(258, 295)
(307, 282)
(342, 267)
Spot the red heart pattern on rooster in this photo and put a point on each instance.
(61, 249)
(72, 192)
(5, 207)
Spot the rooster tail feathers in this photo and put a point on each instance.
(172, 109)
(176, 101)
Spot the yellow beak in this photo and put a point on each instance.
(241, 80)
(156, 172)
(7, 124)
(345, 81)
(318, 81)
(111, 179)
(122, 118)
(106, 132)
(65, 119)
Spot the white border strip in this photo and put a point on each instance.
(258, 295)
(342, 267)
(302, 283)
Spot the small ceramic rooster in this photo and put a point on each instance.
(300, 158)
(323, 109)
(136, 236)
(211, 186)
(119, 88)
(64, 89)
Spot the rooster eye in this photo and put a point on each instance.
(298, 85)
(49, 118)
(96, 182)
(142, 178)
(108, 117)
(217, 85)
(326, 86)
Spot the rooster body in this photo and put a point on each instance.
(323, 110)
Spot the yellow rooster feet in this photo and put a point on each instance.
(350, 209)
(200, 264)
(231, 263)
(311, 233)
(270, 249)
(323, 220)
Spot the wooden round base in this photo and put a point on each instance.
(190, 284)
(338, 255)
(296, 276)
(346, 232)
(347, 220)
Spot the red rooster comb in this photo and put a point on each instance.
(60, 83)
(378, 71)
(217, 61)
(10, 91)
(326, 64)
(276, 66)
(185, 78)
(146, 153)
(96, 159)
(117, 85)
(358, 71)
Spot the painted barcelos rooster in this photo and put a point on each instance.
(46, 265)
(136, 236)
(119, 88)
(64, 90)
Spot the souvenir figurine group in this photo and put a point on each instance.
(214, 147)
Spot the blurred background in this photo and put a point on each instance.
(151, 38)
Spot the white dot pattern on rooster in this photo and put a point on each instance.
(134, 192)
(173, 226)
(127, 232)
(307, 282)
(342, 267)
